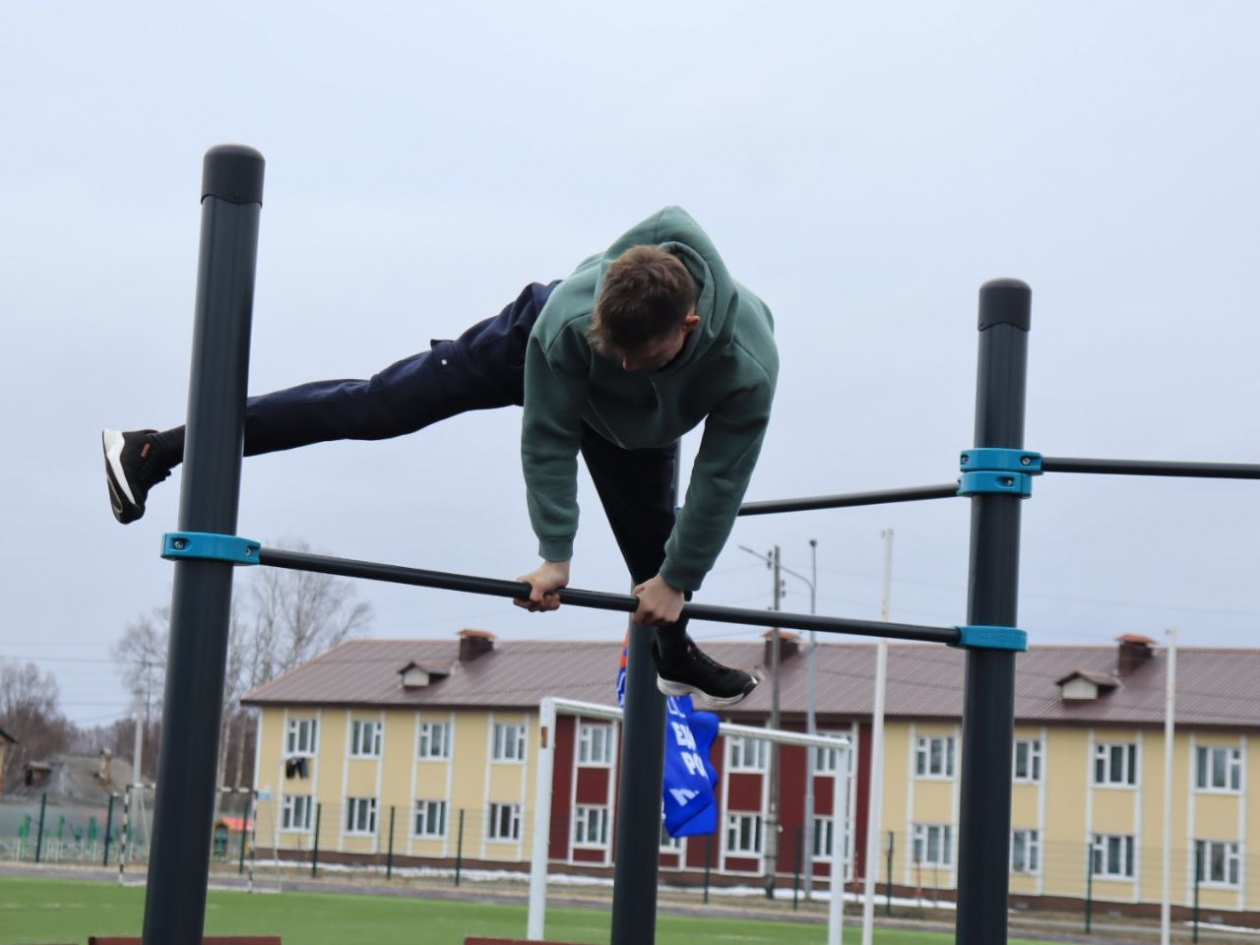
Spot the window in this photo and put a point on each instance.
(365, 739)
(1218, 769)
(670, 844)
(590, 827)
(430, 819)
(1113, 856)
(435, 740)
(595, 745)
(826, 760)
(505, 822)
(509, 742)
(1028, 760)
(361, 815)
(300, 739)
(934, 757)
(1025, 851)
(1217, 862)
(933, 844)
(1115, 764)
(295, 815)
(748, 754)
(743, 833)
(824, 829)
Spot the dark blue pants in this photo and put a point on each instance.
(482, 369)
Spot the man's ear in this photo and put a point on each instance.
(691, 321)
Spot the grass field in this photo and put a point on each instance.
(41, 910)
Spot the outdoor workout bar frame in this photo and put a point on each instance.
(996, 475)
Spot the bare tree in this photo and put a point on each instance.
(141, 657)
(299, 614)
(29, 712)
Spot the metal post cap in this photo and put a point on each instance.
(233, 172)
(1005, 302)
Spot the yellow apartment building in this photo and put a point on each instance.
(424, 752)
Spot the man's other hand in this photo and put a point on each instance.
(659, 602)
(544, 581)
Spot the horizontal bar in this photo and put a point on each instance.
(946, 490)
(1144, 467)
(624, 603)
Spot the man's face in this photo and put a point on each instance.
(659, 352)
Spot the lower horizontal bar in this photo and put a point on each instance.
(946, 490)
(1143, 467)
(625, 603)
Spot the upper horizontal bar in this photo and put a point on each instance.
(946, 490)
(1143, 467)
(625, 603)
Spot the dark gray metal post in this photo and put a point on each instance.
(231, 203)
(109, 825)
(989, 701)
(39, 837)
(639, 798)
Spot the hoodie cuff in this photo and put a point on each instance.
(555, 549)
(682, 578)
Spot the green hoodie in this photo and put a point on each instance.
(724, 376)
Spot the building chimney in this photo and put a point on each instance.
(789, 646)
(1135, 650)
(473, 643)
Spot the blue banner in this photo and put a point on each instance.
(690, 806)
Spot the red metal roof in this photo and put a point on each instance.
(1216, 687)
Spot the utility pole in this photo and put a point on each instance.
(776, 660)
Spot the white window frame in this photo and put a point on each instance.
(1033, 761)
(590, 827)
(293, 739)
(743, 836)
(365, 738)
(361, 816)
(1031, 849)
(924, 837)
(504, 825)
(595, 745)
(823, 839)
(747, 754)
(1205, 769)
(434, 743)
(826, 760)
(509, 742)
(295, 813)
(931, 766)
(1106, 758)
(1113, 856)
(1231, 862)
(423, 817)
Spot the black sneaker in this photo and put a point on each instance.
(690, 672)
(131, 470)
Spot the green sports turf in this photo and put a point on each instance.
(42, 910)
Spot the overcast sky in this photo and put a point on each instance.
(864, 168)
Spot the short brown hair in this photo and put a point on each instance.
(647, 293)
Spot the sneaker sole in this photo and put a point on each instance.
(671, 688)
(123, 503)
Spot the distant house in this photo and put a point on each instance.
(438, 739)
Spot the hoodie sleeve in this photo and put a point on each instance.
(733, 434)
(556, 388)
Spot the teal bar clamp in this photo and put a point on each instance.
(993, 638)
(991, 471)
(205, 546)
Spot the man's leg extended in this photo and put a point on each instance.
(482, 369)
(638, 492)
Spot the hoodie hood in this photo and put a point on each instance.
(674, 230)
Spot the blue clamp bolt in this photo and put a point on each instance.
(993, 638)
(205, 546)
(992, 471)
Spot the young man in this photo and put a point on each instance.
(640, 345)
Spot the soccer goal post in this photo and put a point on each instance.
(552, 706)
